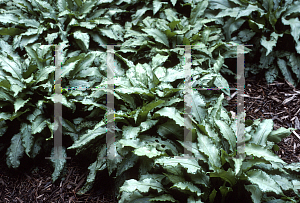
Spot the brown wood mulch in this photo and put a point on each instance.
(35, 185)
(278, 101)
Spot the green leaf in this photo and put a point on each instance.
(62, 5)
(285, 71)
(67, 68)
(295, 24)
(15, 151)
(158, 36)
(161, 198)
(43, 74)
(55, 98)
(207, 146)
(264, 181)
(295, 64)
(173, 2)
(30, 23)
(143, 186)
(228, 176)
(85, 61)
(156, 6)
(87, 7)
(218, 65)
(216, 109)
(68, 125)
(173, 24)
(87, 25)
(37, 146)
(138, 14)
(191, 165)
(25, 40)
(78, 2)
(38, 124)
(18, 114)
(271, 74)
(51, 37)
(70, 5)
(4, 116)
(232, 12)
(9, 18)
(27, 138)
(227, 133)
(3, 128)
(277, 135)
(232, 25)
(170, 128)
(247, 11)
(16, 85)
(222, 83)
(19, 103)
(134, 90)
(146, 109)
(115, 32)
(186, 41)
(10, 31)
(83, 40)
(12, 67)
(223, 5)
(212, 196)
(59, 163)
(171, 74)
(258, 151)
(169, 33)
(32, 53)
(98, 165)
(198, 106)
(43, 4)
(158, 59)
(256, 193)
(283, 182)
(85, 139)
(225, 190)
(4, 83)
(172, 113)
(261, 134)
(271, 43)
(188, 186)
(198, 11)
(102, 21)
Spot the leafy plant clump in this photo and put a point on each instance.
(149, 92)
(270, 26)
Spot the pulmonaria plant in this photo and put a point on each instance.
(212, 174)
(149, 94)
(272, 27)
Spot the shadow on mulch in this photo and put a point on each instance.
(35, 185)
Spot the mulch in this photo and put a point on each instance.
(35, 185)
(278, 101)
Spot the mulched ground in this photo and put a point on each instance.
(278, 101)
(35, 185)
